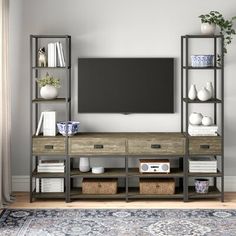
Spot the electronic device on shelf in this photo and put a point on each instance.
(154, 166)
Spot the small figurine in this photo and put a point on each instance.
(42, 57)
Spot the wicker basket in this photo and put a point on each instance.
(99, 186)
(157, 186)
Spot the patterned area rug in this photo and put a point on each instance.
(58, 222)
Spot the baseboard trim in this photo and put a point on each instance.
(21, 183)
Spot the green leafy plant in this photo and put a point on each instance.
(225, 26)
(49, 80)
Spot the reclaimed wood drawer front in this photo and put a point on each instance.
(53, 146)
(208, 145)
(96, 146)
(156, 146)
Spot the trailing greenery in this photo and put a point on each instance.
(226, 26)
(49, 80)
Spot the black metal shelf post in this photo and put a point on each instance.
(215, 101)
(35, 101)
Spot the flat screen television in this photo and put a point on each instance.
(125, 85)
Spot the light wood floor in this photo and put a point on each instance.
(22, 201)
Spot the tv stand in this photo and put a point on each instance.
(129, 146)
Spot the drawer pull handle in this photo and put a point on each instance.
(48, 146)
(99, 185)
(204, 146)
(155, 146)
(98, 146)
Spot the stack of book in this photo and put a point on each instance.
(200, 130)
(56, 55)
(49, 185)
(51, 166)
(203, 165)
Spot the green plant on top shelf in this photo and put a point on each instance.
(49, 80)
(225, 26)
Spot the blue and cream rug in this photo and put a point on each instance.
(158, 222)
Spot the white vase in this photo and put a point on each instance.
(209, 87)
(192, 93)
(204, 94)
(206, 121)
(49, 92)
(208, 29)
(84, 165)
(195, 118)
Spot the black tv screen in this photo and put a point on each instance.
(125, 85)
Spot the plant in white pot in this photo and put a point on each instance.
(49, 87)
(213, 19)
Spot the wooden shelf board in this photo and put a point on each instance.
(48, 68)
(109, 173)
(213, 100)
(218, 174)
(47, 175)
(134, 193)
(65, 36)
(202, 36)
(76, 193)
(56, 100)
(212, 193)
(175, 172)
(202, 68)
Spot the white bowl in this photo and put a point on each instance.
(98, 170)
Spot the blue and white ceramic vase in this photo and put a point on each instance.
(201, 185)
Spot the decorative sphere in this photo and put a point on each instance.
(206, 121)
(195, 118)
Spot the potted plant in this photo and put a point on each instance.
(213, 19)
(49, 87)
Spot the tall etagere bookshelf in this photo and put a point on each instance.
(208, 145)
(36, 41)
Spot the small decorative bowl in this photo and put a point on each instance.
(73, 127)
(201, 185)
(202, 60)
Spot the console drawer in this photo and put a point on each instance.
(48, 146)
(156, 146)
(96, 146)
(205, 145)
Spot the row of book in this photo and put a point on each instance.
(56, 55)
(200, 130)
(49, 185)
(46, 185)
(51, 166)
(47, 120)
(203, 165)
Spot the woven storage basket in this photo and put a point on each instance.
(99, 186)
(157, 186)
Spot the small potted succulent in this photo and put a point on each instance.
(49, 87)
(214, 18)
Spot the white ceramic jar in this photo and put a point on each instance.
(84, 164)
(49, 92)
(204, 94)
(192, 93)
(195, 118)
(208, 29)
(209, 87)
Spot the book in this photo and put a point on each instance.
(62, 55)
(51, 163)
(49, 123)
(39, 124)
(59, 54)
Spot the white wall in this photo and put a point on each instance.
(112, 28)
